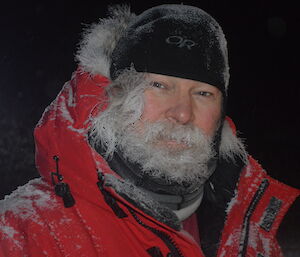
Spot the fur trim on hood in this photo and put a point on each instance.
(100, 39)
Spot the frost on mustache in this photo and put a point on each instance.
(184, 162)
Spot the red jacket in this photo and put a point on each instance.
(35, 222)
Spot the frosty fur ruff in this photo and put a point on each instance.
(100, 39)
(94, 56)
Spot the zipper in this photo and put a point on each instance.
(246, 223)
(109, 199)
(167, 239)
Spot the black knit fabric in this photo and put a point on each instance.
(175, 40)
(218, 192)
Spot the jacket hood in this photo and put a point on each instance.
(64, 126)
(63, 132)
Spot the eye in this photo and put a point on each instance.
(157, 85)
(204, 93)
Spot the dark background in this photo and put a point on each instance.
(39, 40)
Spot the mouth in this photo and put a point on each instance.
(172, 144)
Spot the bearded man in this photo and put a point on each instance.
(137, 156)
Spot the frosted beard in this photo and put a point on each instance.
(119, 128)
(174, 152)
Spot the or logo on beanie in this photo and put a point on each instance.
(180, 42)
(174, 40)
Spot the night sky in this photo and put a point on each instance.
(39, 40)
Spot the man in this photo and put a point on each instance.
(137, 156)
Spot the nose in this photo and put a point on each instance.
(181, 110)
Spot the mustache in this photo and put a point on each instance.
(165, 130)
(140, 143)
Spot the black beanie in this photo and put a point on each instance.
(175, 40)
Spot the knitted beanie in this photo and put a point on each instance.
(175, 40)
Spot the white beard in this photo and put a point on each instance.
(185, 162)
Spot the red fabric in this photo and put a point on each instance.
(191, 226)
(260, 240)
(39, 224)
(231, 124)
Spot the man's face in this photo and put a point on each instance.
(183, 102)
(165, 124)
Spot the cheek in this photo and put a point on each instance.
(153, 108)
(208, 120)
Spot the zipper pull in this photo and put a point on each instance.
(62, 189)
